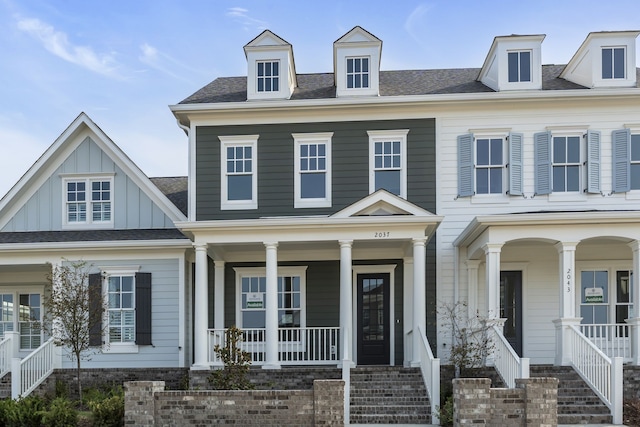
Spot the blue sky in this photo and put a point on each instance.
(124, 62)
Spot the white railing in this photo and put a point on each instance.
(6, 354)
(614, 339)
(346, 377)
(506, 361)
(28, 373)
(296, 346)
(430, 367)
(602, 374)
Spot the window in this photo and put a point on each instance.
(268, 75)
(22, 311)
(312, 179)
(635, 162)
(519, 66)
(239, 172)
(613, 63)
(121, 309)
(626, 160)
(88, 201)
(566, 163)
(357, 73)
(6, 313)
(624, 296)
(489, 165)
(594, 291)
(388, 161)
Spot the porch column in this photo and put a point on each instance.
(346, 299)
(419, 296)
(271, 307)
(201, 314)
(567, 301)
(472, 284)
(635, 320)
(218, 309)
(492, 286)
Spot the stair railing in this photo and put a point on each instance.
(601, 373)
(506, 361)
(430, 367)
(6, 354)
(30, 372)
(346, 377)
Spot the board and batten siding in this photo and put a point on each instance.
(132, 208)
(275, 160)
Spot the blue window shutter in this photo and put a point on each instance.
(515, 164)
(621, 140)
(95, 310)
(542, 162)
(143, 308)
(465, 165)
(593, 161)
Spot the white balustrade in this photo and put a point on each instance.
(507, 362)
(614, 339)
(6, 354)
(430, 367)
(28, 373)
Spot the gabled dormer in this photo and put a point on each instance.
(513, 63)
(356, 63)
(605, 59)
(271, 72)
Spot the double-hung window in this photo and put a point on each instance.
(626, 160)
(519, 66)
(22, 311)
(88, 201)
(613, 63)
(358, 73)
(268, 75)
(388, 161)
(239, 171)
(312, 170)
(121, 311)
(566, 163)
(489, 165)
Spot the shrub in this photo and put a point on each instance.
(445, 412)
(61, 413)
(25, 412)
(107, 408)
(236, 364)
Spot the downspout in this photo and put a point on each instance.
(456, 284)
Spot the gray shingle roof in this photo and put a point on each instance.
(392, 83)
(175, 188)
(89, 235)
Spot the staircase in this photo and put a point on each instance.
(577, 403)
(388, 395)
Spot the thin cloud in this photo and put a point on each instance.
(241, 16)
(163, 62)
(415, 22)
(58, 44)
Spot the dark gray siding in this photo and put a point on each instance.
(350, 162)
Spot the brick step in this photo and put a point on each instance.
(390, 419)
(386, 401)
(584, 419)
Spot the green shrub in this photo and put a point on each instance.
(108, 408)
(61, 413)
(25, 412)
(236, 364)
(445, 412)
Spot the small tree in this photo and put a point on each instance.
(72, 310)
(471, 342)
(236, 364)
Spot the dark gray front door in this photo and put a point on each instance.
(373, 319)
(511, 307)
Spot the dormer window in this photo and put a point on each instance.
(520, 66)
(613, 63)
(357, 73)
(88, 201)
(268, 75)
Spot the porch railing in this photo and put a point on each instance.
(507, 362)
(430, 367)
(614, 339)
(6, 354)
(602, 374)
(296, 346)
(32, 370)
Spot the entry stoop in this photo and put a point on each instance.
(389, 395)
(577, 403)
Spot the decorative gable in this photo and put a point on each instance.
(381, 203)
(513, 63)
(356, 63)
(605, 59)
(271, 72)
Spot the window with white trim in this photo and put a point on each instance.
(88, 201)
(635, 162)
(268, 76)
(519, 66)
(567, 164)
(490, 165)
(239, 165)
(613, 62)
(22, 311)
(606, 296)
(358, 73)
(121, 309)
(388, 161)
(312, 170)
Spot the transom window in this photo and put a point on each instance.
(566, 163)
(268, 76)
(312, 180)
(635, 162)
(489, 165)
(613, 63)
(388, 161)
(121, 309)
(88, 201)
(239, 165)
(519, 66)
(357, 73)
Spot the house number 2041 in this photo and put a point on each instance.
(381, 234)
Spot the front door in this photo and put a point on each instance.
(373, 319)
(511, 307)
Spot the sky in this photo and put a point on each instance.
(125, 62)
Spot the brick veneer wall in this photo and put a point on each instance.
(146, 404)
(533, 403)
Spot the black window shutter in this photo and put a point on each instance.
(143, 308)
(95, 311)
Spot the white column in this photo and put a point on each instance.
(634, 321)
(567, 300)
(218, 290)
(271, 307)
(492, 285)
(472, 290)
(419, 296)
(407, 313)
(201, 309)
(346, 299)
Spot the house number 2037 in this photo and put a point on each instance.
(381, 234)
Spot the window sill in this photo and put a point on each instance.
(490, 199)
(88, 226)
(312, 203)
(632, 195)
(229, 206)
(119, 348)
(568, 197)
